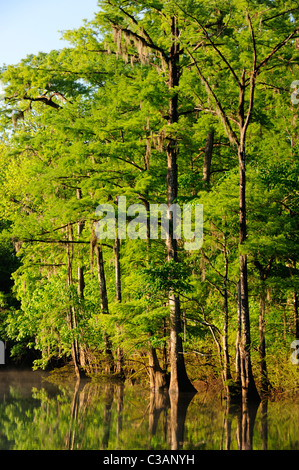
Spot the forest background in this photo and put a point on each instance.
(161, 102)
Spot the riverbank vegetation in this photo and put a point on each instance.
(161, 102)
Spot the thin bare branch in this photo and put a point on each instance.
(279, 14)
(220, 111)
(253, 42)
(275, 49)
(208, 37)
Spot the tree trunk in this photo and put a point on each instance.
(226, 364)
(71, 314)
(208, 157)
(238, 339)
(262, 345)
(226, 361)
(119, 353)
(81, 284)
(104, 306)
(179, 381)
(249, 390)
(158, 378)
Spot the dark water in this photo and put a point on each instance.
(37, 415)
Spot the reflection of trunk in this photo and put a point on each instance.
(159, 401)
(120, 404)
(104, 305)
(227, 426)
(178, 409)
(249, 411)
(179, 380)
(74, 418)
(208, 157)
(245, 414)
(264, 423)
(109, 392)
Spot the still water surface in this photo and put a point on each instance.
(38, 415)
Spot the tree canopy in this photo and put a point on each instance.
(161, 102)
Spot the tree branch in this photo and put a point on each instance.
(253, 42)
(64, 242)
(275, 49)
(230, 132)
(44, 99)
(208, 37)
(279, 14)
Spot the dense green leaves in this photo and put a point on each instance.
(95, 126)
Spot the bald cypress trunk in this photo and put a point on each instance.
(71, 312)
(208, 157)
(179, 381)
(104, 306)
(226, 362)
(249, 390)
(81, 286)
(262, 345)
(119, 352)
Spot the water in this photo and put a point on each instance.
(38, 415)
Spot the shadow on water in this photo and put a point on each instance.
(106, 415)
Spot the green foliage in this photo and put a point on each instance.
(96, 126)
(171, 275)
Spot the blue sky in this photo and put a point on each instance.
(30, 26)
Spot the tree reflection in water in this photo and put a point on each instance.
(245, 414)
(159, 404)
(171, 409)
(74, 417)
(178, 410)
(106, 415)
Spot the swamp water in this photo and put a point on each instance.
(38, 415)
